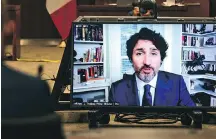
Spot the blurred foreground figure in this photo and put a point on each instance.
(27, 108)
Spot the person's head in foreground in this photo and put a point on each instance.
(146, 50)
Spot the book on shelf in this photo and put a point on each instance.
(93, 55)
(89, 73)
(95, 71)
(88, 32)
(190, 55)
(188, 28)
(192, 41)
(211, 68)
(184, 40)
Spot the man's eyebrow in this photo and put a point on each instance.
(139, 49)
(154, 49)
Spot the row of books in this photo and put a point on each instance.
(190, 55)
(90, 73)
(93, 55)
(198, 28)
(192, 41)
(88, 32)
(198, 41)
(189, 28)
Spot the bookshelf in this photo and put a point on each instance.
(206, 47)
(197, 41)
(210, 77)
(88, 42)
(90, 81)
(198, 34)
(88, 63)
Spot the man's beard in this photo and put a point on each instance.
(145, 77)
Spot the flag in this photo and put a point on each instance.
(63, 13)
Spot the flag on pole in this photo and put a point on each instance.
(63, 13)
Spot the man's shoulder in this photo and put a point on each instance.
(169, 75)
(127, 79)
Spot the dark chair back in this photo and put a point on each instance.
(44, 127)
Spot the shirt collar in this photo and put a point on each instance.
(140, 83)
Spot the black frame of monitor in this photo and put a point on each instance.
(129, 20)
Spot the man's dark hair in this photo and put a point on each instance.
(147, 34)
(147, 4)
(135, 4)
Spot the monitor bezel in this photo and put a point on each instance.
(136, 109)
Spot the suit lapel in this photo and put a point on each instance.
(162, 89)
(135, 91)
(132, 91)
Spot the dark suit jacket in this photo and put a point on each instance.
(170, 90)
(23, 95)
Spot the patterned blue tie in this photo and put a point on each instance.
(147, 98)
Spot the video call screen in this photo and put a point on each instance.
(143, 65)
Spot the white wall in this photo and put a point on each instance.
(172, 34)
(113, 44)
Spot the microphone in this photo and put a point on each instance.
(40, 70)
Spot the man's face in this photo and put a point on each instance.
(146, 60)
(136, 10)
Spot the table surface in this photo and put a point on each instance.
(116, 130)
(82, 131)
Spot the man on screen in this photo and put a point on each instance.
(149, 86)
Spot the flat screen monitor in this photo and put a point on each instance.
(143, 65)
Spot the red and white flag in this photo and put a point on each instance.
(63, 13)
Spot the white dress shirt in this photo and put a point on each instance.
(140, 87)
